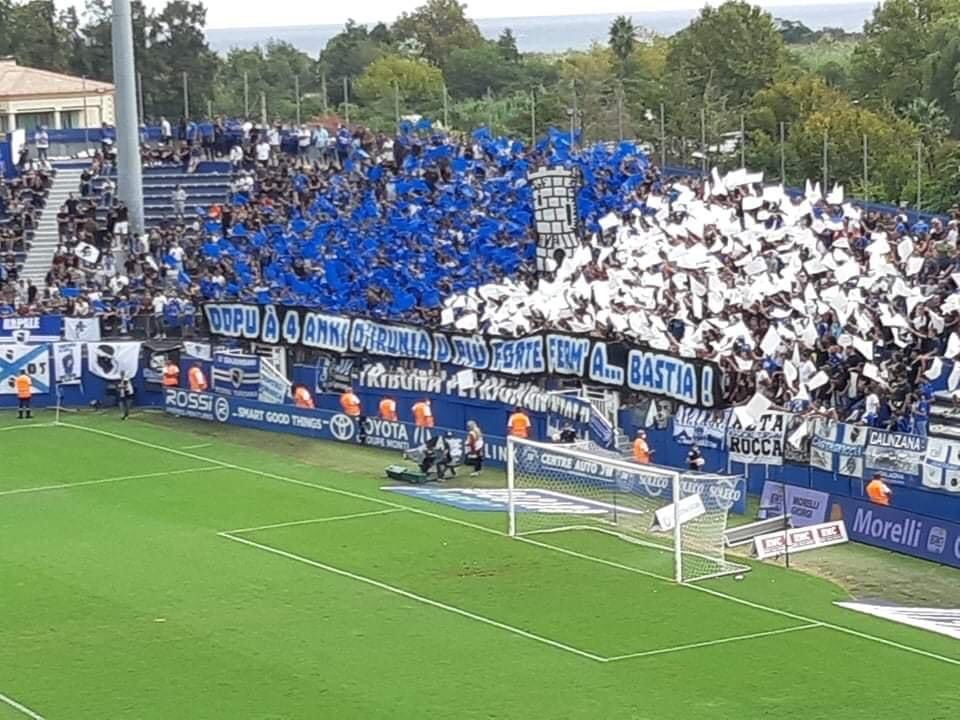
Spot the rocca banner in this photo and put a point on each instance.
(617, 364)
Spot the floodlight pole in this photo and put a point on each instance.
(786, 522)
(866, 177)
(663, 137)
(129, 170)
(783, 153)
(246, 96)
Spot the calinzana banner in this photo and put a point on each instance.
(690, 381)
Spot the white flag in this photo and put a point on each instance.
(67, 362)
(110, 360)
(274, 387)
(81, 329)
(87, 252)
(203, 351)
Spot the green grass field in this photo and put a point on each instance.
(160, 569)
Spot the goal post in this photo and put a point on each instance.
(679, 517)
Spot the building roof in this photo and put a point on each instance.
(17, 81)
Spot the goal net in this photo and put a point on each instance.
(557, 488)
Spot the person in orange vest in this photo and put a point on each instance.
(24, 387)
(388, 409)
(198, 382)
(641, 450)
(350, 404)
(171, 374)
(878, 491)
(423, 414)
(302, 398)
(519, 424)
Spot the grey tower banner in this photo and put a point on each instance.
(555, 213)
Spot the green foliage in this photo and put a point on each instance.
(902, 46)
(348, 54)
(471, 72)
(622, 41)
(271, 71)
(419, 84)
(507, 45)
(734, 49)
(440, 26)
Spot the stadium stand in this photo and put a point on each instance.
(437, 230)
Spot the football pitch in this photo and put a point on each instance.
(151, 570)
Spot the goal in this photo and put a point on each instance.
(559, 488)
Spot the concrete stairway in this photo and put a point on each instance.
(47, 235)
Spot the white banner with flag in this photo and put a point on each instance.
(32, 359)
(274, 387)
(110, 360)
(67, 360)
(81, 329)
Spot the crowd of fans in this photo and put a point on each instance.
(22, 199)
(438, 229)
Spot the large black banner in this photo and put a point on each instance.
(616, 364)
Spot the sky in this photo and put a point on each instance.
(278, 13)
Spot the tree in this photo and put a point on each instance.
(472, 71)
(929, 119)
(507, 45)
(441, 26)
(893, 60)
(622, 41)
(420, 86)
(33, 32)
(347, 55)
(272, 71)
(733, 49)
(795, 32)
(94, 59)
(177, 45)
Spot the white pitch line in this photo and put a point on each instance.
(417, 598)
(197, 447)
(335, 518)
(711, 643)
(29, 426)
(748, 603)
(555, 548)
(22, 708)
(65, 486)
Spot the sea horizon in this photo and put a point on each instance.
(547, 34)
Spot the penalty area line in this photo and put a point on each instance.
(491, 531)
(196, 447)
(416, 598)
(313, 521)
(102, 481)
(711, 643)
(19, 706)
